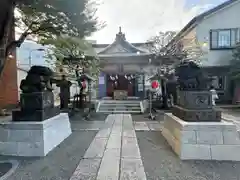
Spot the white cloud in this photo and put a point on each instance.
(141, 19)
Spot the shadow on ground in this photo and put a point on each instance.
(96, 122)
(79, 116)
(161, 163)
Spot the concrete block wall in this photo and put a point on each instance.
(202, 140)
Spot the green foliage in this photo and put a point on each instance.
(79, 51)
(235, 63)
(51, 18)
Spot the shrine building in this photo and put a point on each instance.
(125, 67)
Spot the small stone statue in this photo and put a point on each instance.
(38, 79)
(191, 77)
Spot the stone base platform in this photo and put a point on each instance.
(36, 115)
(196, 115)
(33, 138)
(202, 140)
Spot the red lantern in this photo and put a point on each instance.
(155, 85)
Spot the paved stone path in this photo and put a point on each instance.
(97, 125)
(147, 126)
(114, 153)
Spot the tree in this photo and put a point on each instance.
(51, 18)
(71, 51)
(171, 49)
(182, 48)
(160, 41)
(235, 63)
(7, 7)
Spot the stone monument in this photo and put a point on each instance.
(38, 126)
(195, 129)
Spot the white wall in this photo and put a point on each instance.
(225, 18)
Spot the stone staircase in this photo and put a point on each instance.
(120, 106)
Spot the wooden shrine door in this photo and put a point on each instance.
(122, 84)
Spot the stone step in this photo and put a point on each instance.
(119, 111)
(106, 104)
(107, 107)
(121, 102)
(120, 107)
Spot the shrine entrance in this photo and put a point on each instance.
(120, 82)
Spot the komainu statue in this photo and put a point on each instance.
(36, 99)
(191, 77)
(38, 79)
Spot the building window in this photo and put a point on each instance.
(224, 38)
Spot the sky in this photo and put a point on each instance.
(142, 19)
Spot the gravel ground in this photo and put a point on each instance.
(161, 163)
(58, 164)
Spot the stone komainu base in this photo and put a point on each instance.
(37, 106)
(196, 106)
(196, 115)
(202, 140)
(31, 138)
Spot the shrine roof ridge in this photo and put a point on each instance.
(96, 45)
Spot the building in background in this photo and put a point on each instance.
(126, 67)
(30, 53)
(218, 30)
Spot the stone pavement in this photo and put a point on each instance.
(114, 153)
(232, 117)
(123, 147)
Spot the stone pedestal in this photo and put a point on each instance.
(32, 138)
(195, 99)
(197, 115)
(196, 106)
(202, 140)
(37, 106)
